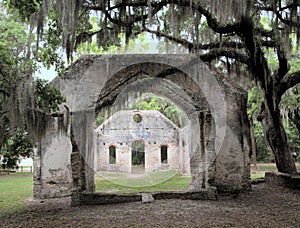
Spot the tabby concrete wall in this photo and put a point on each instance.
(52, 168)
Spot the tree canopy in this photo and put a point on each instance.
(233, 36)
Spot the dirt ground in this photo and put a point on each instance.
(265, 206)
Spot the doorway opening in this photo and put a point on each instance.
(112, 155)
(138, 156)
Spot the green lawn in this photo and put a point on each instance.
(14, 189)
(257, 175)
(177, 182)
(265, 167)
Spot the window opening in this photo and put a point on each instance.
(112, 155)
(164, 154)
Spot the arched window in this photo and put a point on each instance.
(164, 154)
(112, 155)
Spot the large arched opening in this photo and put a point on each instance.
(171, 83)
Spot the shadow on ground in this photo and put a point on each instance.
(265, 206)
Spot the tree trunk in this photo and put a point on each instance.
(253, 144)
(277, 139)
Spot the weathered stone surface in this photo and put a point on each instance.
(109, 198)
(101, 198)
(283, 179)
(203, 194)
(52, 169)
(147, 198)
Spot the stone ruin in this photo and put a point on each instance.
(217, 136)
(148, 143)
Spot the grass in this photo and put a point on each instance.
(14, 189)
(265, 167)
(177, 182)
(257, 175)
(137, 179)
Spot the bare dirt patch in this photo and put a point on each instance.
(265, 206)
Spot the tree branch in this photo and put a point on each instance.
(287, 22)
(182, 41)
(211, 20)
(191, 46)
(283, 63)
(288, 82)
(85, 36)
(130, 19)
(139, 3)
(218, 49)
(281, 8)
(226, 52)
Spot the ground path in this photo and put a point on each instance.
(265, 206)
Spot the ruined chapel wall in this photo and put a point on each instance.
(121, 131)
(231, 165)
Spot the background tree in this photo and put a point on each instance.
(19, 145)
(227, 33)
(24, 103)
(262, 149)
(14, 75)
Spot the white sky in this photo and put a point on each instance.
(150, 46)
(44, 73)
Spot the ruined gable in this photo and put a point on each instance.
(160, 137)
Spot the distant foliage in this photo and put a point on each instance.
(19, 145)
(24, 8)
(263, 150)
(168, 109)
(47, 97)
(289, 103)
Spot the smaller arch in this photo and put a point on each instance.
(164, 154)
(112, 154)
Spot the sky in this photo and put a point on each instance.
(44, 73)
(150, 45)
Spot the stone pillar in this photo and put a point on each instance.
(82, 176)
(232, 162)
(37, 182)
(198, 159)
(210, 136)
(52, 174)
(78, 181)
(82, 173)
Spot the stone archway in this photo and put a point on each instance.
(216, 104)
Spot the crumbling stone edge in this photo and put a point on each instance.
(283, 179)
(97, 198)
